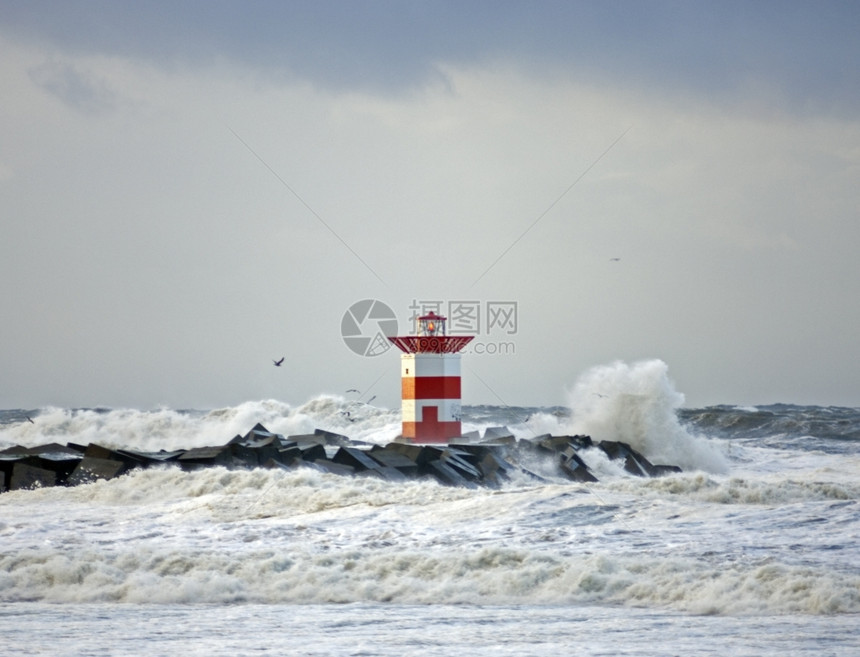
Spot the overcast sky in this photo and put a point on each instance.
(190, 190)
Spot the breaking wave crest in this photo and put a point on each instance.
(740, 490)
(492, 575)
(271, 536)
(637, 404)
(177, 429)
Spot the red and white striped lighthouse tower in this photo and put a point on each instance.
(430, 381)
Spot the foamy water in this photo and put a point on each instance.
(759, 534)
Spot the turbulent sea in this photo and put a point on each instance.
(752, 550)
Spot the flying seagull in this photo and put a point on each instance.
(278, 363)
(371, 399)
(30, 420)
(354, 390)
(615, 260)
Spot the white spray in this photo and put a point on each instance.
(637, 404)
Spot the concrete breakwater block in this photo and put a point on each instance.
(312, 452)
(25, 476)
(331, 467)
(497, 433)
(489, 459)
(392, 458)
(459, 460)
(574, 467)
(634, 462)
(92, 468)
(357, 459)
(449, 475)
(469, 461)
(203, 457)
(32, 467)
(560, 443)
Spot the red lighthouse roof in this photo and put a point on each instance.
(431, 337)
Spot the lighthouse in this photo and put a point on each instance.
(430, 381)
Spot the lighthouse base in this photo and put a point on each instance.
(430, 429)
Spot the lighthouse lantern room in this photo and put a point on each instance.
(430, 381)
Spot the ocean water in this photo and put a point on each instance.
(752, 550)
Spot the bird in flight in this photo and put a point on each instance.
(278, 363)
(30, 420)
(354, 390)
(615, 260)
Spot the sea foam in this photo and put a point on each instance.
(168, 429)
(637, 404)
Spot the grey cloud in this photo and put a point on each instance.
(800, 56)
(77, 89)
